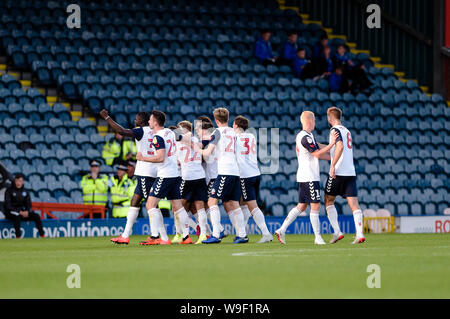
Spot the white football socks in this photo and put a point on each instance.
(260, 221)
(292, 215)
(314, 218)
(154, 221)
(161, 227)
(202, 221)
(358, 218)
(333, 218)
(239, 222)
(132, 215)
(192, 223)
(176, 222)
(214, 213)
(246, 213)
(184, 221)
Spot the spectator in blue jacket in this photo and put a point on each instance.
(335, 80)
(299, 63)
(263, 49)
(341, 58)
(320, 45)
(323, 65)
(289, 49)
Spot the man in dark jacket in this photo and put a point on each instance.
(18, 206)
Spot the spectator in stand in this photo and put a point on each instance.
(342, 58)
(290, 48)
(18, 206)
(337, 82)
(319, 47)
(360, 81)
(300, 63)
(323, 65)
(263, 49)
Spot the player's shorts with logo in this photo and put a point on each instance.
(194, 190)
(226, 187)
(210, 185)
(344, 186)
(309, 192)
(143, 185)
(250, 188)
(166, 187)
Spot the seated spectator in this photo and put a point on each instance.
(342, 58)
(320, 46)
(360, 81)
(263, 49)
(323, 65)
(337, 82)
(300, 63)
(18, 206)
(289, 49)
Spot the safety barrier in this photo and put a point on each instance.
(87, 210)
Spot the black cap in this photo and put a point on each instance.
(122, 165)
(94, 163)
(131, 163)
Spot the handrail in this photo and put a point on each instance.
(87, 210)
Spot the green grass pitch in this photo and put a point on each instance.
(412, 266)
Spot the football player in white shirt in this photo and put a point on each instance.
(193, 185)
(227, 184)
(342, 179)
(308, 177)
(168, 180)
(250, 176)
(145, 172)
(204, 129)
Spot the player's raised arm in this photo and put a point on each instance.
(115, 126)
(209, 149)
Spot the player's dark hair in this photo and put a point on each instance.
(335, 112)
(172, 127)
(144, 116)
(242, 122)
(19, 175)
(160, 117)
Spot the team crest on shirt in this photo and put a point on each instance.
(24, 194)
(309, 139)
(155, 142)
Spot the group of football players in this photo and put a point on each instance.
(196, 165)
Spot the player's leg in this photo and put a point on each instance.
(142, 187)
(250, 190)
(235, 213)
(295, 212)
(202, 220)
(245, 210)
(37, 220)
(174, 195)
(315, 222)
(358, 219)
(332, 189)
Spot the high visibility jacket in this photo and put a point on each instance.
(121, 193)
(118, 149)
(95, 191)
(164, 204)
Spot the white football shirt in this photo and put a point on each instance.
(246, 155)
(168, 168)
(144, 145)
(226, 151)
(308, 165)
(190, 161)
(344, 166)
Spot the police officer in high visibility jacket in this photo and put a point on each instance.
(95, 186)
(122, 190)
(118, 149)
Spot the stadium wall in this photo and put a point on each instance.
(114, 227)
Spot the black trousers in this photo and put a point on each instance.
(32, 216)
